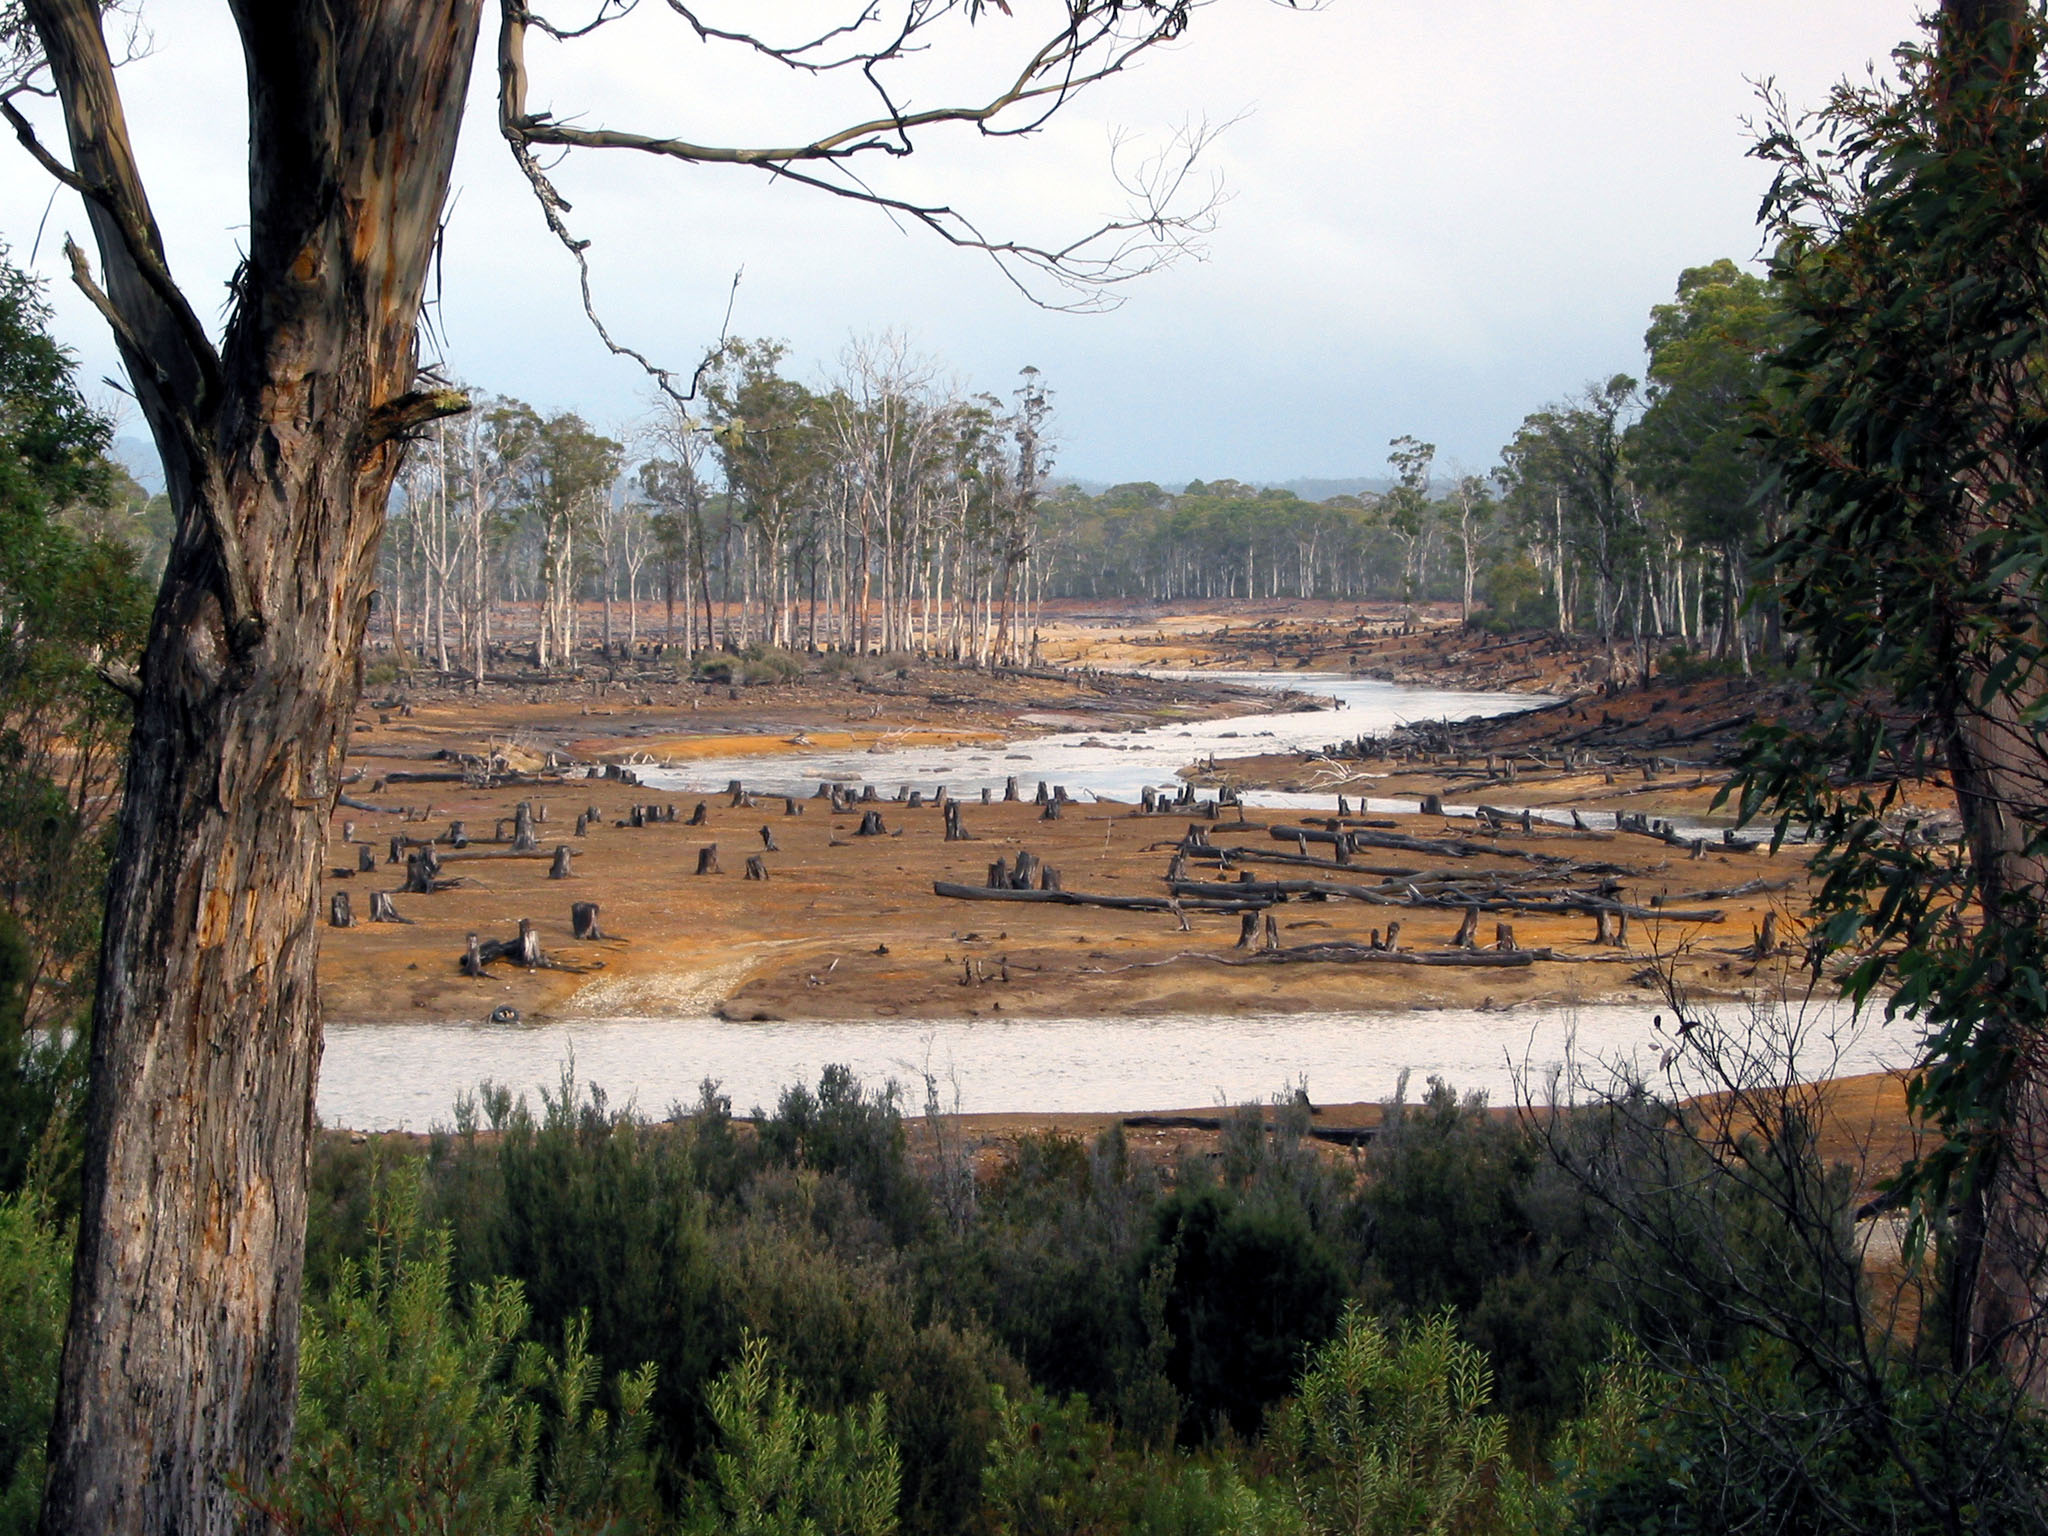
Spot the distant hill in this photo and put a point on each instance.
(137, 455)
(1307, 488)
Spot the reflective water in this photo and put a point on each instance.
(381, 1076)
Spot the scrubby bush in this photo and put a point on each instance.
(35, 1285)
(1516, 596)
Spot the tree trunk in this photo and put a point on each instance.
(180, 1368)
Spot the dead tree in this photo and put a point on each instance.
(707, 860)
(383, 909)
(870, 825)
(559, 869)
(1468, 930)
(757, 867)
(338, 914)
(583, 920)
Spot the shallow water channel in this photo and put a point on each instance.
(380, 1076)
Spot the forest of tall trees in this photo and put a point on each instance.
(887, 510)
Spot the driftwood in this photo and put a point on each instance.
(1383, 896)
(363, 805)
(1082, 899)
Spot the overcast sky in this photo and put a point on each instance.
(1441, 214)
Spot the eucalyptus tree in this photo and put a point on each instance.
(280, 441)
(562, 476)
(767, 432)
(1696, 443)
(1405, 510)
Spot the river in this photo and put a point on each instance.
(385, 1075)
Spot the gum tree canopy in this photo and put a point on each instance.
(279, 441)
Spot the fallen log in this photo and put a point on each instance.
(1365, 954)
(1280, 890)
(1084, 899)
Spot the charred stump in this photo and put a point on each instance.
(1048, 878)
(559, 869)
(871, 825)
(1051, 811)
(583, 920)
(1504, 937)
(757, 867)
(366, 860)
(701, 816)
(707, 860)
(1010, 789)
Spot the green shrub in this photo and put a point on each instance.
(1251, 1286)
(1391, 1435)
(1517, 596)
(414, 1416)
(783, 1469)
(35, 1287)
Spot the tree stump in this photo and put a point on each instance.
(826, 792)
(736, 790)
(1504, 936)
(526, 949)
(582, 826)
(1343, 847)
(1603, 928)
(791, 807)
(1048, 878)
(560, 870)
(456, 836)
(757, 867)
(383, 909)
(768, 840)
(999, 875)
(1432, 805)
(956, 830)
(868, 795)
(871, 825)
(1024, 871)
(1343, 806)
(668, 810)
(419, 873)
(916, 799)
(636, 816)
(1149, 798)
(1248, 931)
(348, 831)
(397, 849)
(1043, 795)
(523, 839)
(1059, 794)
(1051, 811)
(1393, 936)
(1528, 822)
(984, 795)
(707, 860)
(1010, 789)
(1272, 930)
(701, 816)
(939, 797)
(473, 959)
(583, 920)
(1766, 936)
(595, 815)
(338, 913)
(540, 810)
(366, 861)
